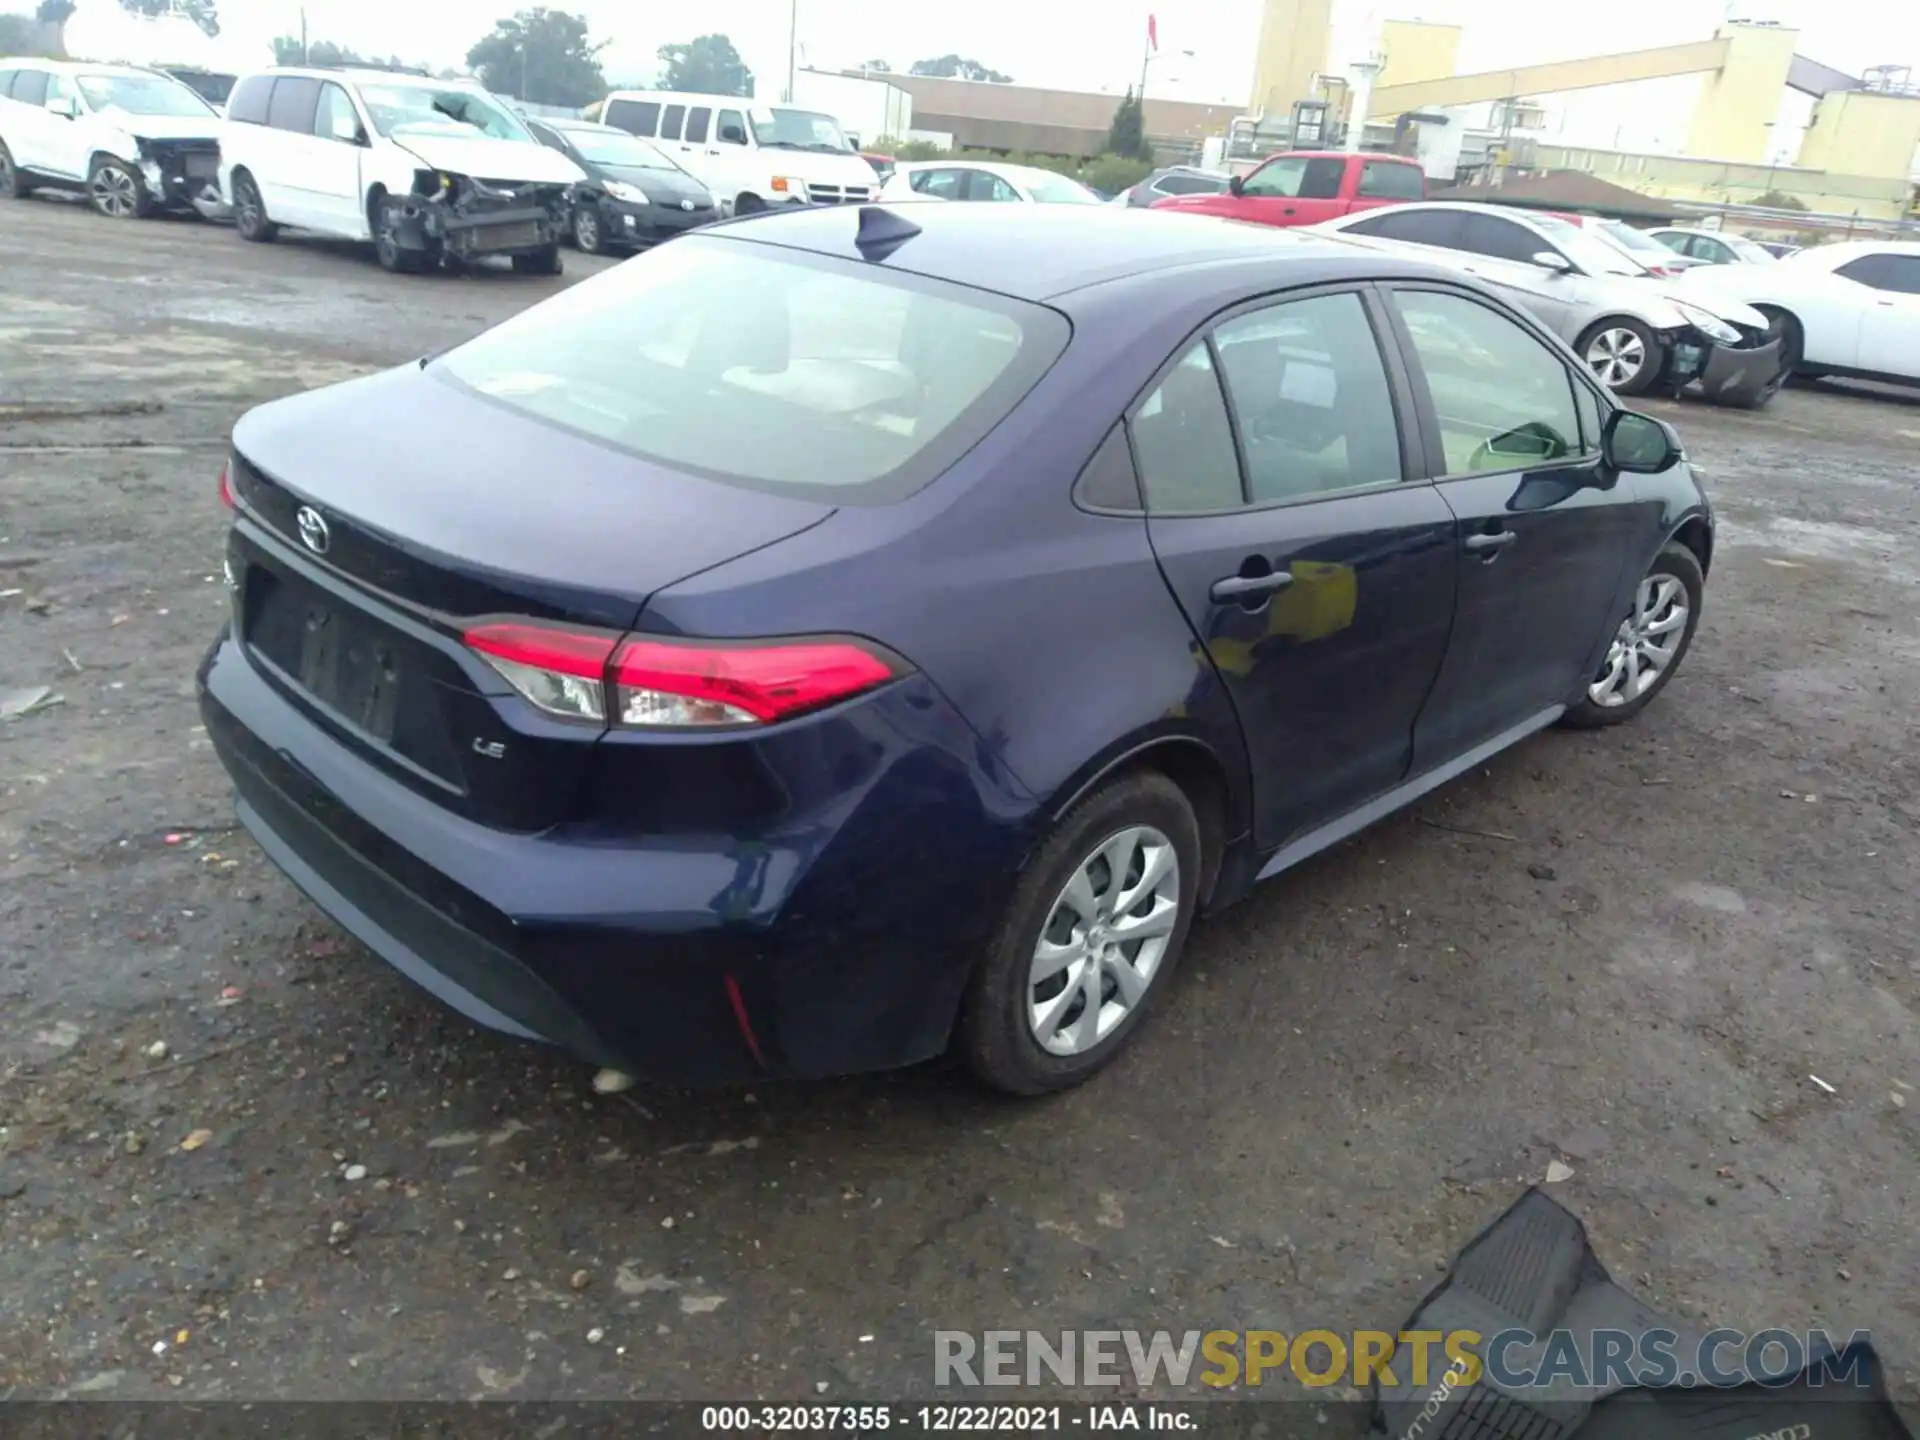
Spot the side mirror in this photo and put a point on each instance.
(361, 138)
(1639, 443)
(1236, 186)
(733, 135)
(66, 107)
(1552, 260)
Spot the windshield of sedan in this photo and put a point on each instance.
(621, 151)
(1595, 254)
(1750, 251)
(787, 372)
(142, 95)
(422, 107)
(1635, 240)
(798, 130)
(1048, 188)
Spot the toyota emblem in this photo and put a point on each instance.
(686, 205)
(313, 530)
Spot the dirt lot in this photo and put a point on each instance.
(1629, 952)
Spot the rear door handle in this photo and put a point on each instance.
(1244, 587)
(1491, 544)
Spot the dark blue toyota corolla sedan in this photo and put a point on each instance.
(841, 636)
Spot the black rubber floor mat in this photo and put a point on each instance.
(1581, 1355)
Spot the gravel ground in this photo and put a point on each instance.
(242, 1158)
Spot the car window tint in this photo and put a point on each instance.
(1188, 185)
(1502, 398)
(636, 117)
(1278, 179)
(766, 367)
(1387, 180)
(30, 87)
(670, 121)
(248, 103)
(1904, 273)
(697, 119)
(1110, 482)
(941, 184)
(731, 128)
(335, 118)
(1310, 393)
(1500, 239)
(1416, 227)
(1894, 273)
(6, 82)
(1183, 440)
(293, 104)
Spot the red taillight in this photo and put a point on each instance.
(562, 672)
(676, 684)
(226, 485)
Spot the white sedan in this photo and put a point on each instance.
(1849, 309)
(984, 180)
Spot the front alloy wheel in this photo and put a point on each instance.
(586, 230)
(1646, 643)
(1616, 355)
(1104, 940)
(116, 191)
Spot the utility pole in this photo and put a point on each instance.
(793, 44)
(306, 56)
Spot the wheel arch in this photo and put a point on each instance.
(1203, 777)
(1696, 535)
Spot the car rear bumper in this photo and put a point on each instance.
(841, 947)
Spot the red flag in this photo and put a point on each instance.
(1153, 34)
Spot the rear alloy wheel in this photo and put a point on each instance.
(118, 192)
(1095, 926)
(1648, 644)
(545, 261)
(587, 236)
(250, 211)
(1622, 354)
(13, 184)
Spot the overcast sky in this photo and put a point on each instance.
(1097, 44)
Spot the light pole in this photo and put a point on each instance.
(1148, 58)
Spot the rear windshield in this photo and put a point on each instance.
(774, 368)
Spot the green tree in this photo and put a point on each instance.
(878, 67)
(19, 36)
(958, 67)
(287, 50)
(54, 12)
(540, 55)
(707, 66)
(204, 13)
(1128, 135)
(1781, 200)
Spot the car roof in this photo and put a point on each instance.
(75, 67)
(993, 167)
(584, 127)
(1042, 252)
(362, 74)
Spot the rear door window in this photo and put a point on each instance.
(1311, 398)
(636, 117)
(1415, 227)
(697, 120)
(982, 185)
(670, 122)
(1183, 441)
(295, 99)
(793, 372)
(30, 87)
(6, 82)
(1501, 239)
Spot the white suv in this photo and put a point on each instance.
(135, 141)
(430, 171)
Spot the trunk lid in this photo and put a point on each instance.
(461, 510)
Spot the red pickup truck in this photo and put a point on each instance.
(1305, 187)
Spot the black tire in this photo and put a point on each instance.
(749, 205)
(994, 1035)
(117, 191)
(589, 234)
(395, 258)
(1680, 563)
(250, 220)
(545, 261)
(13, 184)
(1653, 353)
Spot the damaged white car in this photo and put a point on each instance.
(133, 141)
(433, 172)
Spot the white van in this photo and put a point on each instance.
(752, 156)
